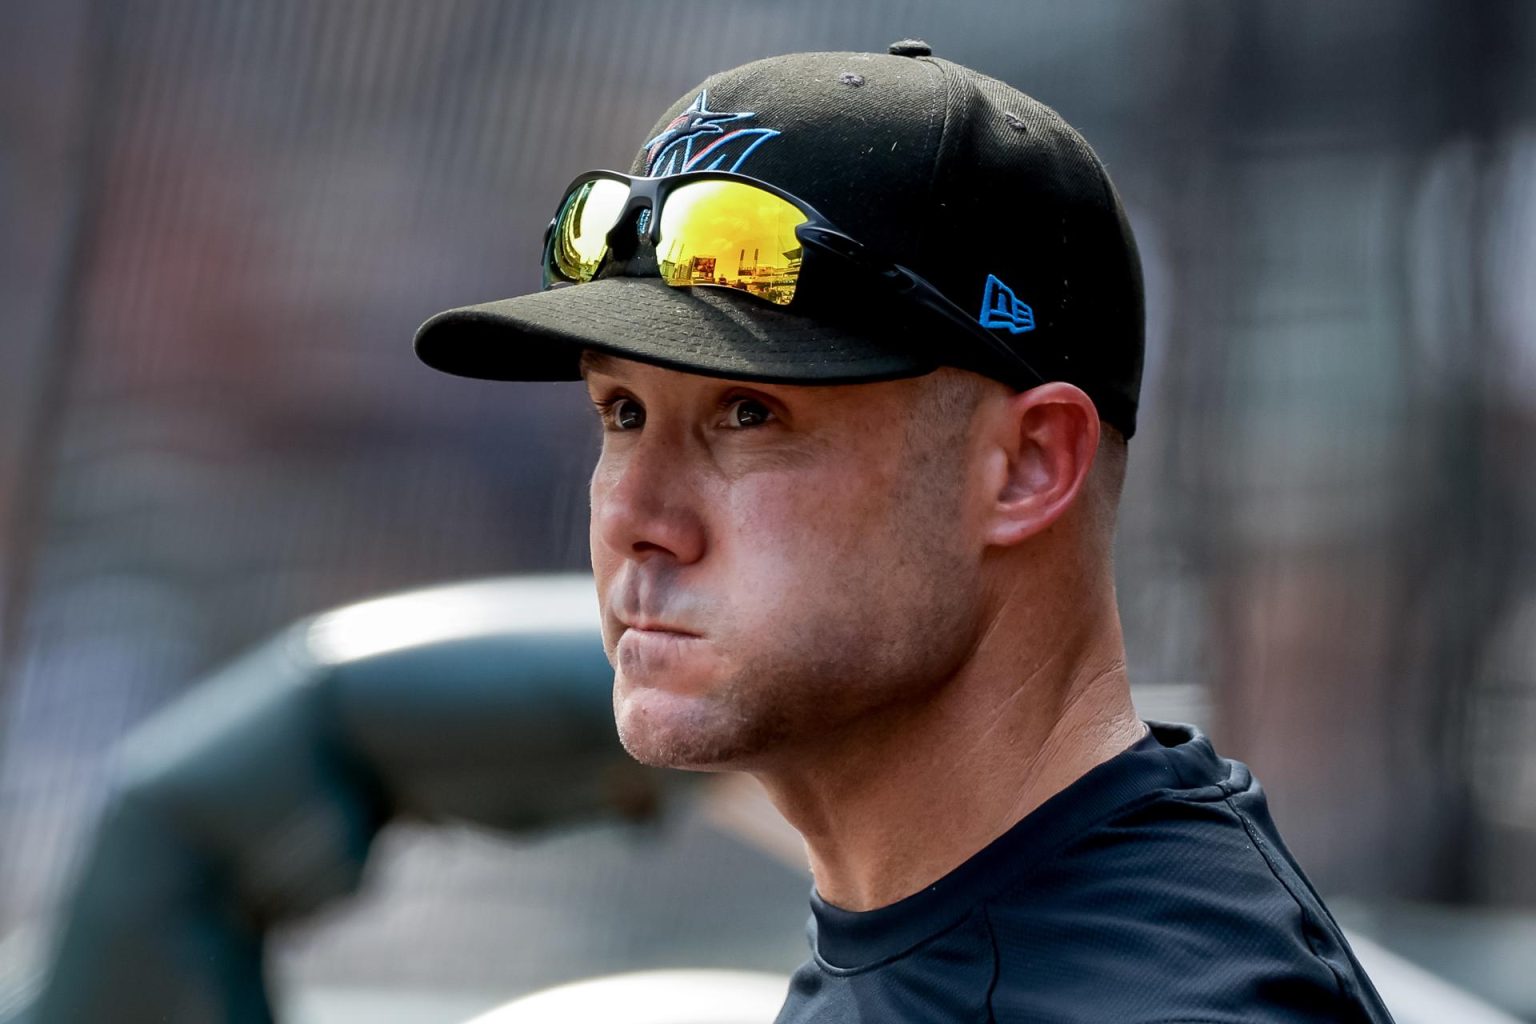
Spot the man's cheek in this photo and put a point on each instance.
(604, 570)
(788, 513)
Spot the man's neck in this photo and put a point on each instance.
(889, 812)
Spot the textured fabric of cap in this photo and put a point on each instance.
(977, 187)
(704, 330)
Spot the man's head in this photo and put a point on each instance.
(781, 565)
(826, 466)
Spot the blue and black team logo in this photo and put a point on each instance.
(700, 139)
(1001, 308)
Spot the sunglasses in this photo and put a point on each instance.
(718, 229)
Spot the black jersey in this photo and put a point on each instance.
(1154, 888)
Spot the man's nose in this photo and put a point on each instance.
(645, 503)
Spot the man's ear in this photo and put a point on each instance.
(1045, 442)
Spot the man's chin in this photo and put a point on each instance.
(667, 729)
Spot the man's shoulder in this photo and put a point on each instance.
(1175, 840)
(1169, 878)
(1181, 905)
(1155, 888)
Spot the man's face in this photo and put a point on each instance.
(776, 565)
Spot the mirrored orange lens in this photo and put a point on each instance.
(732, 235)
(580, 238)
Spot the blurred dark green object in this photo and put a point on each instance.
(256, 797)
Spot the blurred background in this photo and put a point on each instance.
(224, 220)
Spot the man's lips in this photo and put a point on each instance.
(660, 628)
(657, 654)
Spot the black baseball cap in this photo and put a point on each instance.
(985, 192)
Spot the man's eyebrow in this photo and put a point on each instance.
(593, 361)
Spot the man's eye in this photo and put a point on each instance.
(747, 412)
(625, 414)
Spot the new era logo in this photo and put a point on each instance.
(1001, 308)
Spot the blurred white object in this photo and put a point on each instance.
(1415, 996)
(652, 997)
(520, 605)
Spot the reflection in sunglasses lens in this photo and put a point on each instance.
(580, 237)
(731, 235)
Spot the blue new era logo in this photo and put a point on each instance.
(1001, 308)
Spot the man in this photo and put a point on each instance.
(865, 336)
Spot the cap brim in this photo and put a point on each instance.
(710, 331)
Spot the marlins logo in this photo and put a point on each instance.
(700, 139)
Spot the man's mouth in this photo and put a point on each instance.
(653, 650)
(654, 626)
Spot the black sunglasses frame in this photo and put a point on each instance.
(816, 234)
